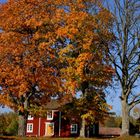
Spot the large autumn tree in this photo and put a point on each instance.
(43, 40)
(86, 35)
(28, 72)
(125, 57)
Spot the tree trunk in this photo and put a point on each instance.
(82, 129)
(87, 131)
(22, 119)
(22, 125)
(125, 118)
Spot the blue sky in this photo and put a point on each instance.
(2, 1)
(113, 99)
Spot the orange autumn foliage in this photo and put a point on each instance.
(28, 61)
(87, 35)
(42, 40)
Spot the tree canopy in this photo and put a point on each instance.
(48, 48)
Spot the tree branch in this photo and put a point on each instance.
(132, 104)
(133, 78)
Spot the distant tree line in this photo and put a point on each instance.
(8, 124)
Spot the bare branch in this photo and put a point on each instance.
(132, 104)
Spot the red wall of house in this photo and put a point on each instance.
(65, 126)
(35, 122)
(42, 126)
(43, 121)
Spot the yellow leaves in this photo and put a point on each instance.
(70, 72)
(66, 50)
(81, 61)
(71, 86)
(21, 108)
(84, 57)
(89, 115)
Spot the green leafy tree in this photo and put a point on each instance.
(2, 124)
(12, 128)
(8, 123)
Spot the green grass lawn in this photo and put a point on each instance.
(46, 138)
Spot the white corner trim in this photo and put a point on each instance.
(30, 117)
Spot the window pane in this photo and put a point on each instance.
(74, 128)
(29, 127)
(49, 115)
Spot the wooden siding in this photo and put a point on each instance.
(65, 127)
(110, 131)
(35, 122)
(43, 121)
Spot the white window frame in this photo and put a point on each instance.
(30, 117)
(50, 118)
(73, 132)
(28, 127)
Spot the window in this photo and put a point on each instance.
(29, 127)
(30, 117)
(73, 128)
(49, 115)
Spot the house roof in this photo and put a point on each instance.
(53, 104)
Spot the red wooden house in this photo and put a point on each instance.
(55, 125)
